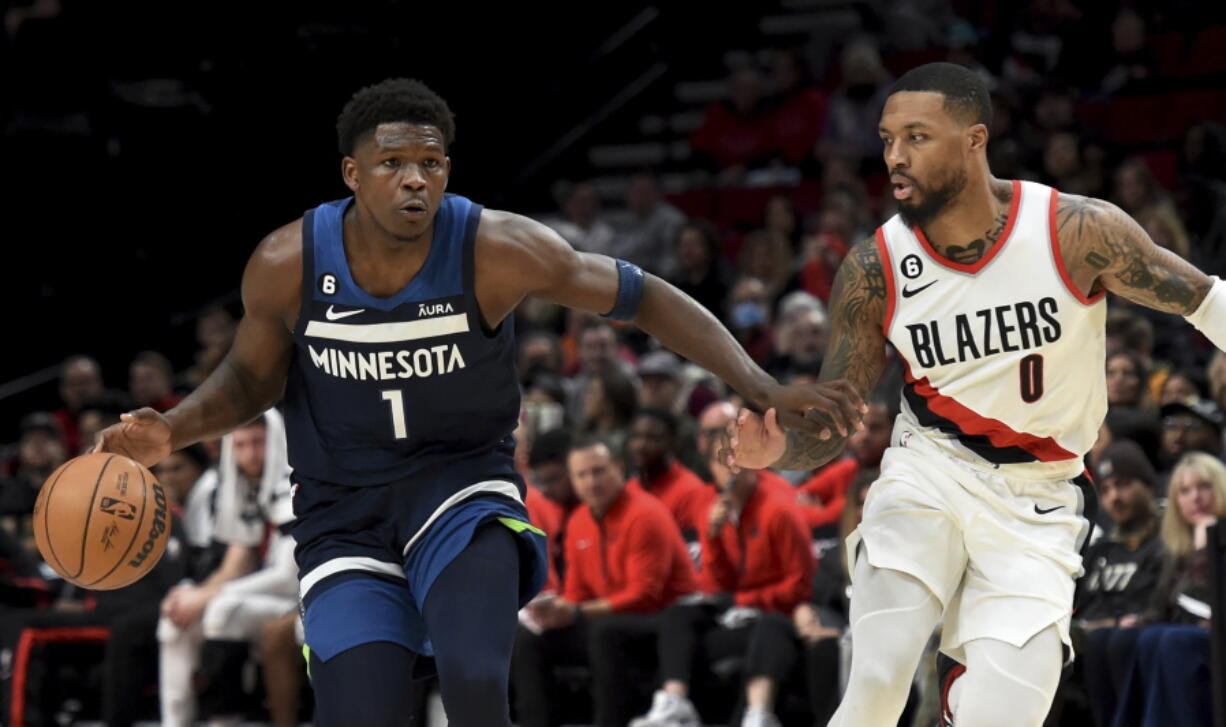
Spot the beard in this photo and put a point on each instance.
(932, 200)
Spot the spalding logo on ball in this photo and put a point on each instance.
(101, 521)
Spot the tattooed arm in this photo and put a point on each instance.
(1104, 248)
(854, 358)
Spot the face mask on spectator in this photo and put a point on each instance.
(748, 315)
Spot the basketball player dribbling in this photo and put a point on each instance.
(992, 293)
(385, 321)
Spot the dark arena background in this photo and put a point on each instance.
(147, 147)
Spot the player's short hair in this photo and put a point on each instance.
(664, 417)
(551, 446)
(395, 100)
(965, 92)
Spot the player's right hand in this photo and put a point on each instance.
(143, 435)
(753, 442)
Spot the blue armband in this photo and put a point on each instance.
(630, 279)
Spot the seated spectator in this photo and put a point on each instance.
(1121, 571)
(822, 497)
(625, 561)
(807, 639)
(151, 380)
(651, 450)
(39, 452)
(1127, 377)
(822, 252)
(551, 498)
(539, 351)
(1132, 59)
(1184, 384)
(580, 223)
(701, 271)
(1192, 425)
(215, 328)
(1168, 682)
(737, 134)
(801, 342)
(768, 258)
(645, 230)
(756, 560)
(232, 603)
(98, 413)
(799, 107)
(749, 318)
(80, 381)
(854, 109)
(609, 403)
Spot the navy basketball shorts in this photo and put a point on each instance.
(367, 556)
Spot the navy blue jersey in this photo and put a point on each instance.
(383, 388)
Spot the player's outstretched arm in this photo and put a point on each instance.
(248, 381)
(1104, 247)
(519, 257)
(855, 354)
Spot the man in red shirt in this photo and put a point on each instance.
(550, 498)
(822, 496)
(650, 449)
(625, 561)
(756, 558)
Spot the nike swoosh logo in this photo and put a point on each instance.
(908, 293)
(334, 316)
(1044, 512)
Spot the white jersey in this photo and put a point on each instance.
(1004, 357)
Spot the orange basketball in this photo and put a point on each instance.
(101, 521)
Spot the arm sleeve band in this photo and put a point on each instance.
(630, 281)
(1210, 317)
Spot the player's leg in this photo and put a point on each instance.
(470, 614)
(892, 617)
(1008, 686)
(280, 657)
(367, 685)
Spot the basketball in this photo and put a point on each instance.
(101, 521)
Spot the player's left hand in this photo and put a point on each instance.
(752, 441)
(820, 409)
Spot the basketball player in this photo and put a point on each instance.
(992, 292)
(384, 321)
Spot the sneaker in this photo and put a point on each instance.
(758, 717)
(668, 710)
(948, 672)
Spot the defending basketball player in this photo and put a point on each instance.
(384, 320)
(992, 292)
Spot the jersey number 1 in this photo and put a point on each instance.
(396, 398)
(1031, 371)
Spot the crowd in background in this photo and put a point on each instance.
(726, 593)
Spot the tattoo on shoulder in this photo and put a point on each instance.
(1110, 241)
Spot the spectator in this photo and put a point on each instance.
(215, 330)
(767, 257)
(625, 561)
(1165, 228)
(701, 271)
(151, 381)
(809, 637)
(539, 351)
(737, 134)
(80, 381)
(651, 449)
(822, 253)
(1063, 165)
(253, 496)
(1216, 373)
(596, 348)
(1132, 60)
(1127, 376)
(749, 318)
(580, 223)
(1138, 193)
(755, 560)
(551, 498)
(851, 119)
(1121, 572)
(1168, 682)
(645, 230)
(97, 414)
(799, 107)
(1192, 425)
(801, 342)
(1184, 384)
(660, 374)
(823, 496)
(39, 452)
(609, 404)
